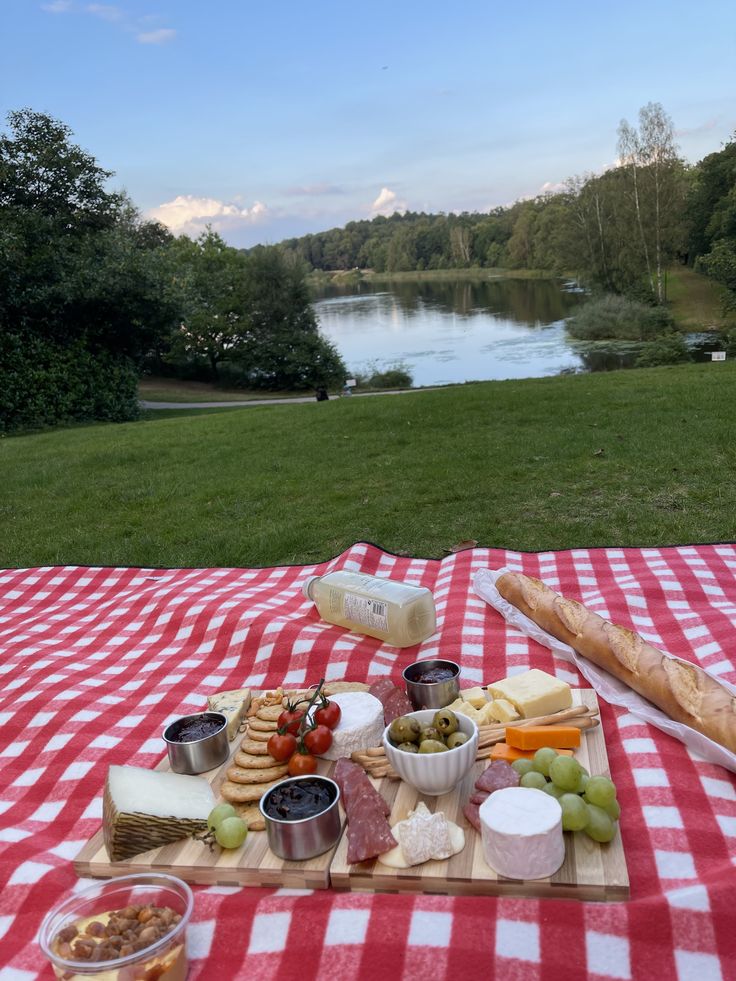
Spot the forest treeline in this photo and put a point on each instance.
(616, 231)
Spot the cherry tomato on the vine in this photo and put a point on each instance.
(290, 720)
(281, 746)
(328, 715)
(318, 740)
(301, 763)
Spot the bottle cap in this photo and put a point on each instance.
(307, 586)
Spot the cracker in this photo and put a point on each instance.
(251, 814)
(258, 736)
(269, 713)
(243, 793)
(239, 774)
(254, 748)
(249, 761)
(262, 725)
(334, 687)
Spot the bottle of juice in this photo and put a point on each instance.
(395, 612)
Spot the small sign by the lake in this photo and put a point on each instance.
(717, 355)
(350, 383)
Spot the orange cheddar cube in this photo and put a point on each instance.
(534, 737)
(502, 751)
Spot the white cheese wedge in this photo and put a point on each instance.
(233, 705)
(423, 837)
(476, 696)
(501, 710)
(533, 693)
(360, 726)
(145, 809)
(521, 831)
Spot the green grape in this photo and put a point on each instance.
(565, 772)
(574, 812)
(543, 758)
(600, 791)
(534, 780)
(218, 814)
(600, 827)
(553, 791)
(583, 781)
(231, 832)
(613, 810)
(523, 766)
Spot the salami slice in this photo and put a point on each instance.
(396, 704)
(472, 813)
(369, 833)
(355, 787)
(381, 688)
(497, 774)
(478, 797)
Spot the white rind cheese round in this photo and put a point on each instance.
(521, 830)
(360, 726)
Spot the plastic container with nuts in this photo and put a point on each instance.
(124, 929)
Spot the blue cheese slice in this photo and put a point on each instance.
(233, 705)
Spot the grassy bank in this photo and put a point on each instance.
(638, 457)
(176, 390)
(696, 302)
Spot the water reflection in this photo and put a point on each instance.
(453, 330)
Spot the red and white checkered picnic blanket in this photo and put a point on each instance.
(94, 661)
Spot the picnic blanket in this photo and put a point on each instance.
(94, 661)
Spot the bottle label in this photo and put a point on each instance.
(368, 612)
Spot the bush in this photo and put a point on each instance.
(617, 317)
(43, 384)
(666, 350)
(397, 376)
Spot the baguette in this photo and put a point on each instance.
(682, 690)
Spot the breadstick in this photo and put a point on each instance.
(682, 690)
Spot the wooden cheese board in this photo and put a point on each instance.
(590, 871)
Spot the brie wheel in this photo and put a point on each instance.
(521, 831)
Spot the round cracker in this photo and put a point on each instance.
(251, 814)
(269, 713)
(261, 725)
(334, 687)
(259, 737)
(250, 762)
(254, 748)
(239, 774)
(243, 793)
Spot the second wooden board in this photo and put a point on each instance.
(590, 871)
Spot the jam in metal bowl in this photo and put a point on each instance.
(302, 822)
(432, 683)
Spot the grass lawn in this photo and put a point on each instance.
(633, 457)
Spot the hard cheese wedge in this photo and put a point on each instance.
(533, 693)
(534, 737)
(233, 705)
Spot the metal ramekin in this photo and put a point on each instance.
(199, 755)
(435, 694)
(299, 840)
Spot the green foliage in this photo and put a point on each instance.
(720, 264)
(664, 351)
(397, 376)
(617, 317)
(43, 383)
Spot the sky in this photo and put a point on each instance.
(273, 118)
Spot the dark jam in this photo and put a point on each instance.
(433, 676)
(303, 799)
(193, 729)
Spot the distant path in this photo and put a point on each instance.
(224, 405)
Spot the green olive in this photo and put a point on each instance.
(456, 739)
(404, 730)
(408, 747)
(430, 732)
(432, 746)
(446, 721)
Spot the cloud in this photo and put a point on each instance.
(313, 190)
(160, 36)
(705, 127)
(189, 215)
(104, 11)
(387, 203)
(57, 7)
(552, 187)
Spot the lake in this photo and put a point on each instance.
(453, 330)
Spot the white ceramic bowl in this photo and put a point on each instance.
(434, 774)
